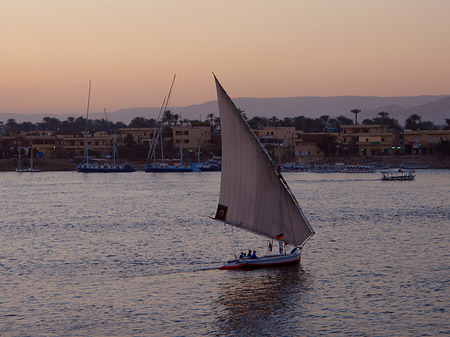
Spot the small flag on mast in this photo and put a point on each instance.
(280, 236)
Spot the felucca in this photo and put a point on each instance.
(253, 193)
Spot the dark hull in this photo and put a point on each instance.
(209, 169)
(126, 168)
(263, 262)
(167, 169)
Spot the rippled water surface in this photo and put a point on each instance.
(136, 255)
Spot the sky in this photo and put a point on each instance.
(257, 48)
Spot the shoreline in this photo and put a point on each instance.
(432, 161)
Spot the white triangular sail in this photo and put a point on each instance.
(253, 194)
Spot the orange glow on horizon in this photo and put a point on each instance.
(257, 48)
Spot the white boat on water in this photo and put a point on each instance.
(399, 174)
(19, 162)
(253, 193)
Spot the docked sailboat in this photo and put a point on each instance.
(254, 195)
(165, 165)
(19, 162)
(100, 167)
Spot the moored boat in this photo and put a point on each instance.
(165, 167)
(31, 169)
(103, 167)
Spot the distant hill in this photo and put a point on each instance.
(434, 108)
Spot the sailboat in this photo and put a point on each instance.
(19, 162)
(254, 195)
(105, 167)
(165, 165)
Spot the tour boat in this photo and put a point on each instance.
(398, 175)
(253, 193)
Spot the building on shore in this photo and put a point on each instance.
(192, 135)
(137, 135)
(424, 142)
(366, 140)
(280, 142)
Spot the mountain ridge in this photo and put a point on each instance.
(430, 107)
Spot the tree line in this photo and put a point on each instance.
(306, 124)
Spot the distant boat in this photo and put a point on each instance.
(103, 167)
(415, 167)
(293, 167)
(359, 169)
(212, 165)
(399, 174)
(253, 193)
(19, 162)
(165, 165)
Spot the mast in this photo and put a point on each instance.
(31, 158)
(19, 162)
(155, 136)
(112, 137)
(86, 155)
(162, 148)
(199, 138)
(181, 141)
(160, 118)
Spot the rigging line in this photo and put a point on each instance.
(155, 135)
(231, 241)
(161, 117)
(86, 153)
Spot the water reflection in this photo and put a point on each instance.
(262, 301)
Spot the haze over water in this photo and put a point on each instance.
(136, 254)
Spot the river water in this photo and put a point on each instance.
(137, 255)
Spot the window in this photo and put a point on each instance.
(186, 141)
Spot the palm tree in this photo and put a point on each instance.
(168, 117)
(447, 127)
(383, 114)
(356, 112)
(412, 122)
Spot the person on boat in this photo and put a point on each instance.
(241, 256)
(253, 256)
(249, 254)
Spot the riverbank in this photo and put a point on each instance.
(430, 161)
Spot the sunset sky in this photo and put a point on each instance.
(257, 48)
